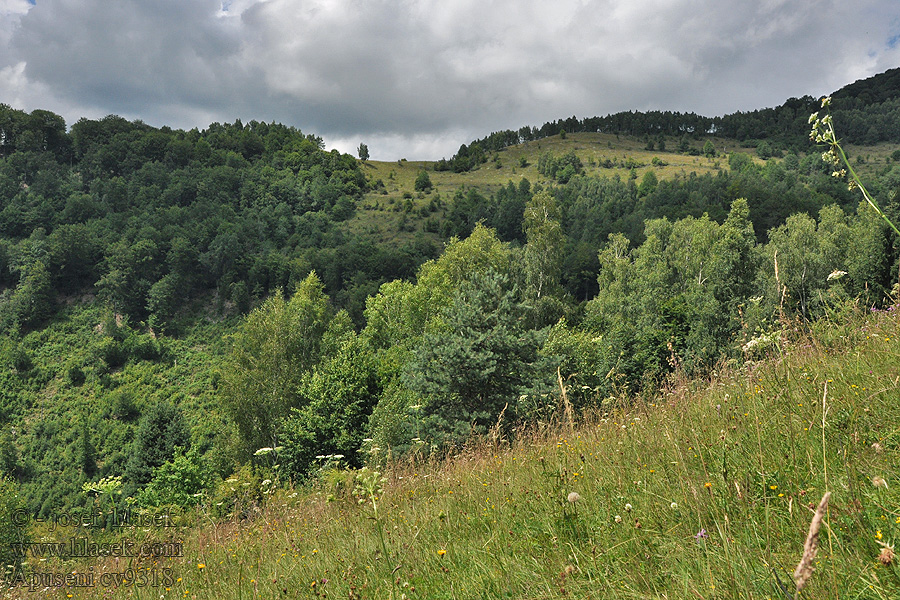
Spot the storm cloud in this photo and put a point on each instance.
(419, 77)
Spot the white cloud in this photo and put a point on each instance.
(426, 75)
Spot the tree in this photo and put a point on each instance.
(163, 299)
(9, 456)
(32, 301)
(277, 343)
(159, 432)
(543, 252)
(336, 401)
(423, 182)
(478, 366)
(363, 152)
(86, 453)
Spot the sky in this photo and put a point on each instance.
(416, 78)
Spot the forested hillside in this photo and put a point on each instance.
(181, 307)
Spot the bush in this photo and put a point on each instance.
(181, 482)
(423, 182)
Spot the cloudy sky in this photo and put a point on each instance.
(416, 78)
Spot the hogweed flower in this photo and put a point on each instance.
(822, 132)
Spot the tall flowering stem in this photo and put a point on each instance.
(823, 133)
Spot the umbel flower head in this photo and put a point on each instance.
(573, 497)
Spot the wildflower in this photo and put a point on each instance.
(707, 485)
(701, 534)
(673, 506)
(878, 535)
(201, 566)
(628, 508)
(886, 556)
(836, 274)
(618, 519)
(878, 481)
(442, 552)
(573, 497)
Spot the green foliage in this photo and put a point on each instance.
(675, 300)
(584, 364)
(739, 161)
(764, 150)
(181, 481)
(476, 369)
(562, 168)
(237, 495)
(33, 300)
(395, 426)
(13, 530)
(9, 456)
(86, 453)
(423, 182)
(277, 344)
(161, 430)
(543, 253)
(336, 400)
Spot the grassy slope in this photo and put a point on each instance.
(381, 213)
(707, 492)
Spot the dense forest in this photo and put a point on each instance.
(184, 308)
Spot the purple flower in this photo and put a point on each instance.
(701, 534)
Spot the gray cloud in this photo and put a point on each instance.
(419, 77)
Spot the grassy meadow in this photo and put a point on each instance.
(706, 491)
(392, 213)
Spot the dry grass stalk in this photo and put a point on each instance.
(805, 567)
(567, 406)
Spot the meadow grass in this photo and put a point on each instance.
(383, 213)
(705, 491)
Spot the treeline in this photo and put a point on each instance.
(869, 111)
(145, 217)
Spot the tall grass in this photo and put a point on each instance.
(706, 492)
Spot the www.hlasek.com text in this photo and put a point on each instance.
(84, 547)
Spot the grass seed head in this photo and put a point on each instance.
(805, 566)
